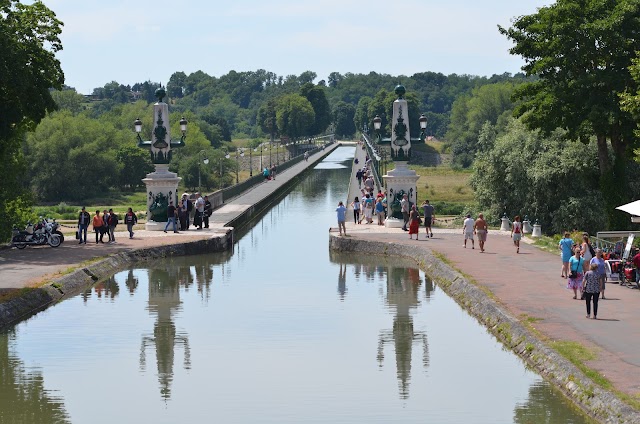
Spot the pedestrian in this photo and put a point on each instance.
(182, 214)
(429, 217)
(368, 208)
(341, 214)
(516, 232)
(576, 273)
(602, 275)
(369, 184)
(359, 177)
(207, 211)
(380, 210)
(83, 223)
(414, 222)
(130, 219)
(636, 263)
(105, 226)
(587, 252)
(113, 223)
(272, 172)
(480, 229)
(97, 226)
(467, 231)
(265, 173)
(405, 209)
(172, 214)
(190, 211)
(565, 246)
(356, 210)
(199, 210)
(591, 290)
(306, 156)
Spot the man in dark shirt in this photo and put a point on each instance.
(207, 211)
(171, 217)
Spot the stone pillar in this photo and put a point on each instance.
(526, 226)
(506, 224)
(162, 187)
(537, 230)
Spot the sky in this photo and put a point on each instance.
(139, 40)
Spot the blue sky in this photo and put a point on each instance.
(138, 40)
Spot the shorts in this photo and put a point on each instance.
(427, 221)
(517, 236)
(468, 236)
(482, 235)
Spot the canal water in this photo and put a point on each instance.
(278, 331)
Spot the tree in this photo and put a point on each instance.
(134, 164)
(294, 116)
(343, 114)
(334, 79)
(316, 96)
(175, 86)
(581, 51)
(68, 99)
(266, 118)
(29, 40)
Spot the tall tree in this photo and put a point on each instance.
(581, 51)
(343, 114)
(316, 96)
(266, 118)
(294, 115)
(29, 40)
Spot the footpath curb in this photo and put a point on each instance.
(31, 301)
(596, 402)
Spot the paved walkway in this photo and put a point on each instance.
(529, 283)
(28, 267)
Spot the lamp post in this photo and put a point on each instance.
(377, 124)
(270, 156)
(250, 163)
(206, 162)
(423, 127)
(238, 164)
(226, 156)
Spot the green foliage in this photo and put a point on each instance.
(316, 96)
(294, 116)
(524, 173)
(343, 117)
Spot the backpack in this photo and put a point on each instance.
(189, 205)
(114, 220)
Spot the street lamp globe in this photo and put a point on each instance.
(183, 124)
(377, 123)
(206, 161)
(423, 122)
(138, 125)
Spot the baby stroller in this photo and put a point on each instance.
(614, 272)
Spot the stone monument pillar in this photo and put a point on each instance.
(162, 185)
(401, 180)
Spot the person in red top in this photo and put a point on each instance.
(636, 263)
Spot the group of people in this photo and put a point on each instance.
(368, 206)
(584, 268)
(188, 211)
(104, 224)
(269, 173)
(411, 217)
(477, 227)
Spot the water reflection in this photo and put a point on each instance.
(543, 406)
(401, 297)
(23, 394)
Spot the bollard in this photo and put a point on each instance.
(526, 226)
(506, 224)
(537, 230)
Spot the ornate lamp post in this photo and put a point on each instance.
(162, 185)
(238, 164)
(270, 155)
(377, 125)
(250, 163)
(423, 127)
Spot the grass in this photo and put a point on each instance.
(118, 201)
(443, 184)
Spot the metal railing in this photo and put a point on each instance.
(376, 160)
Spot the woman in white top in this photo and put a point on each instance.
(356, 210)
(585, 252)
(516, 232)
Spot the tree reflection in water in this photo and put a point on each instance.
(23, 397)
(545, 405)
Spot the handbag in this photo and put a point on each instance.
(574, 274)
(77, 234)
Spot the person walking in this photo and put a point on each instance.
(341, 212)
(130, 219)
(199, 211)
(405, 209)
(587, 252)
(576, 272)
(172, 214)
(83, 224)
(113, 223)
(208, 210)
(356, 210)
(368, 208)
(306, 156)
(273, 172)
(600, 271)
(359, 177)
(414, 223)
(380, 210)
(516, 232)
(591, 290)
(480, 229)
(189, 206)
(105, 226)
(467, 231)
(565, 245)
(97, 226)
(182, 215)
(265, 174)
(429, 217)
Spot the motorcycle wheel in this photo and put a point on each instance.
(59, 233)
(20, 246)
(54, 240)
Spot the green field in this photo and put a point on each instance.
(443, 184)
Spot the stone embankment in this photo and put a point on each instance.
(513, 333)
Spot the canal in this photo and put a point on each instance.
(278, 331)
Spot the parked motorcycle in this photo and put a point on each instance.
(55, 229)
(35, 235)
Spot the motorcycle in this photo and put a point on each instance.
(55, 229)
(35, 235)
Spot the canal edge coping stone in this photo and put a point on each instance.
(595, 401)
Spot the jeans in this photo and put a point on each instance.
(82, 229)
(588, 297)
(405, 218)
(112, 230)
(171, 220)
(130, 229)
